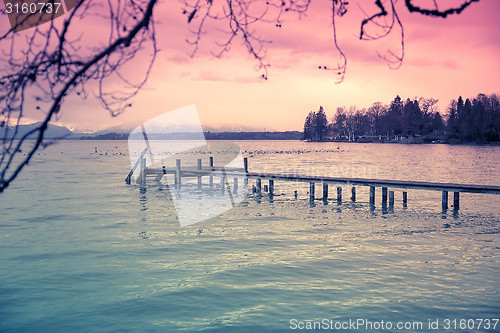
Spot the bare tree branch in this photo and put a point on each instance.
(55, 72)
(436, 12)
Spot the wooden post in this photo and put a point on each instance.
(211, 178)
(199, 168)
(384, 194)
(353, 194)
(222, 184)
(245, 164)
(266, 188)
(456, 200)
(391, 200)
(295, 194)
(339, 195)
(311, 192)
(372, 195)
(235, 185)
(259, 186)
(143, 172)
(271, 186)
(405, 198)
(444, 200)
(325, 191)
(178, 173)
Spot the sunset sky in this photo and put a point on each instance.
(444, 58)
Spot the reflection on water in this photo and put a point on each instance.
(82, 251)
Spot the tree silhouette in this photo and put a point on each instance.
(309, 127)
(320, 125)
(476, 120)
(242, 19)
(43, 65)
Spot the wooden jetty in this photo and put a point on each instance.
(237, 173)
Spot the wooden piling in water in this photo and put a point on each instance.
(178, 173)
(456, 200)
(444, 200)
(372, 195)
(245, 164)
(222, 184)
(339, 194)
(271, 186)
(258, 184)
(405, 198)
(266, 188)
(211, 178)
(143, 172)
(199, 168)
(311, 191)
(391, 200)
(384, 194)
(235, 184)
(325, 191)
(353, 194)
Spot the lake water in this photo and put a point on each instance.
(83, 252)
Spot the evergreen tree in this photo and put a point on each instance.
(411, 118)
(320, 125)
(437, 122)
(393, 122)
(309, 126)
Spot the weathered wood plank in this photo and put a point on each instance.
(384, 194)
(325, 191)
(372, 195)
(444, 200)
(311, 192)
(199, 168)
(456, 200)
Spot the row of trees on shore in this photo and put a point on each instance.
(472, 120)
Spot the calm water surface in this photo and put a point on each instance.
(83, 252)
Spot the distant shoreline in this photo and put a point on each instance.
(301, 140)
(62, 133)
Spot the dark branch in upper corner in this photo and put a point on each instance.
(436, 12)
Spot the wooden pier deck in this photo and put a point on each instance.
(242, 173)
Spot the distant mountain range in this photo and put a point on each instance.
(52, 132)
(55, 132)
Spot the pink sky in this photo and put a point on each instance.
(443, 59)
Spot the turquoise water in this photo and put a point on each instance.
(83, 252)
